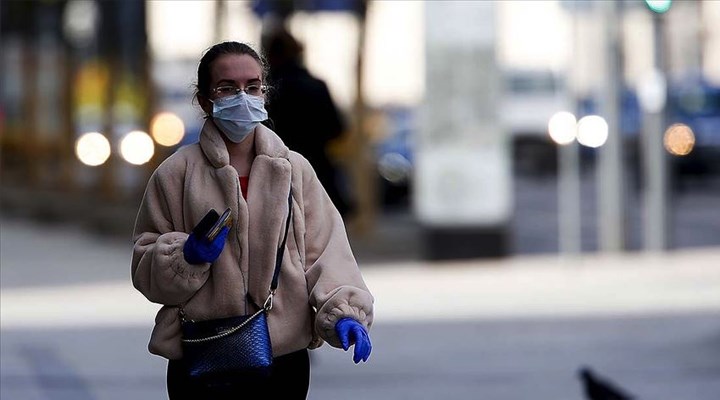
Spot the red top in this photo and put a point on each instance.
(244, 185)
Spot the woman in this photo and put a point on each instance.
(240, 164)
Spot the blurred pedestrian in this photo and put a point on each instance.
(302, 111)
(244, 166)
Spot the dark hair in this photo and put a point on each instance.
(203, 73)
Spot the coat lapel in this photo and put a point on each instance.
(268, 190)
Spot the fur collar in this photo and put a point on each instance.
(266, 143)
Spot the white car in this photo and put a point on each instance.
(530, 98)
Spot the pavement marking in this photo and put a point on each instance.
(674, 282)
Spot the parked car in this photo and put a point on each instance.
(696, 103)
(530, 98)
(692, 101)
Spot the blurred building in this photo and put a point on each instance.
(70, 68)
(123, 72)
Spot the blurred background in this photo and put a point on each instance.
(531, 186)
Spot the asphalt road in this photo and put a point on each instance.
(654, 358)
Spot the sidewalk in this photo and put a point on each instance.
(61, 267)
(546, 286)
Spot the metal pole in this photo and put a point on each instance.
(109, 14)
(365, 188)
(31, 143)
(220, 21)
(611, 234)
(655, 195)
(569, 199)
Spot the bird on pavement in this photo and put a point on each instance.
(599, 388)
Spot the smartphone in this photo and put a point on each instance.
(206, 223)
(224, 220)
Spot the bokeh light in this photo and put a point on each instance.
(562, 127)
(592, 131)
(652, 91)
(394, 167)
(679, 139)
(92, 149)
(80, 20)
(137, 147)
(167, 129)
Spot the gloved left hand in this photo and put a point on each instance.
(198, 250)
(352, 332)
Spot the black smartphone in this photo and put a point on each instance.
(224, 220)
(206, 223)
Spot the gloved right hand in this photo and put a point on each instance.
(351, 332)
(199, 250)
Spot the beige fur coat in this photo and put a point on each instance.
(320, 282)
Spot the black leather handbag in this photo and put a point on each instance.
(234, 345)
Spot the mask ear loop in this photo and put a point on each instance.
(269, 123)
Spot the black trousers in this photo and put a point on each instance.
(290, 377)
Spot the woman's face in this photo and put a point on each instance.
(239, 70)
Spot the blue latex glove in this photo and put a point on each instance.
(352, 332)
(198, 250)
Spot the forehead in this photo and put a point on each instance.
(235, 67)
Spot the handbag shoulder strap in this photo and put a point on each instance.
(280, 250)
(279, 257)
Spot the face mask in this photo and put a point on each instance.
(237, 116)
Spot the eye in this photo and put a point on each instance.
(226, 90)
(255, 89)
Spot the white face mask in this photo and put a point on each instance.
(236, 116)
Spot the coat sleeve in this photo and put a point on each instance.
(159, 270)
(335, 285)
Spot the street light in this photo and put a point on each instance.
(167, 129)
(562, 127)
(592, 131)
(679, 140)
(92, 149)
(659, 6)
(137, 147)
